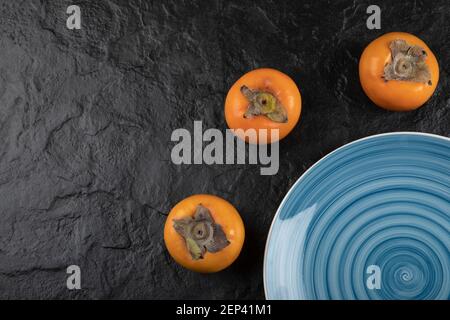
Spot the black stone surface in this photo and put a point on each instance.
(86, 118)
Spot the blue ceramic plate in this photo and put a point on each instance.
(371, 220)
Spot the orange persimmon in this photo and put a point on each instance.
(204, 233)
(398, 71)
(263, 99)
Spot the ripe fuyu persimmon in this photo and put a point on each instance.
(398, 71)
(263, 99)
(204, 233)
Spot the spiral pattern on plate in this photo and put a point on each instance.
(369, 221)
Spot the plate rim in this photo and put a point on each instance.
(277, 213)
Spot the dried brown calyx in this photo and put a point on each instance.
(264, 103)
(201, 233)
(407, 64)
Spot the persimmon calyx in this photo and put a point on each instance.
(201, 233)
(264, 103)
(407, 64)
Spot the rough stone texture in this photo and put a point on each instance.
(86, 118)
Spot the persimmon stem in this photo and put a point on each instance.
(264, 103)
(201, 233)
(407, 64)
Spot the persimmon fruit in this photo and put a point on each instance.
(263, 99)
(398, 71)
(204, 233)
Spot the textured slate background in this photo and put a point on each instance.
(86, 118)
